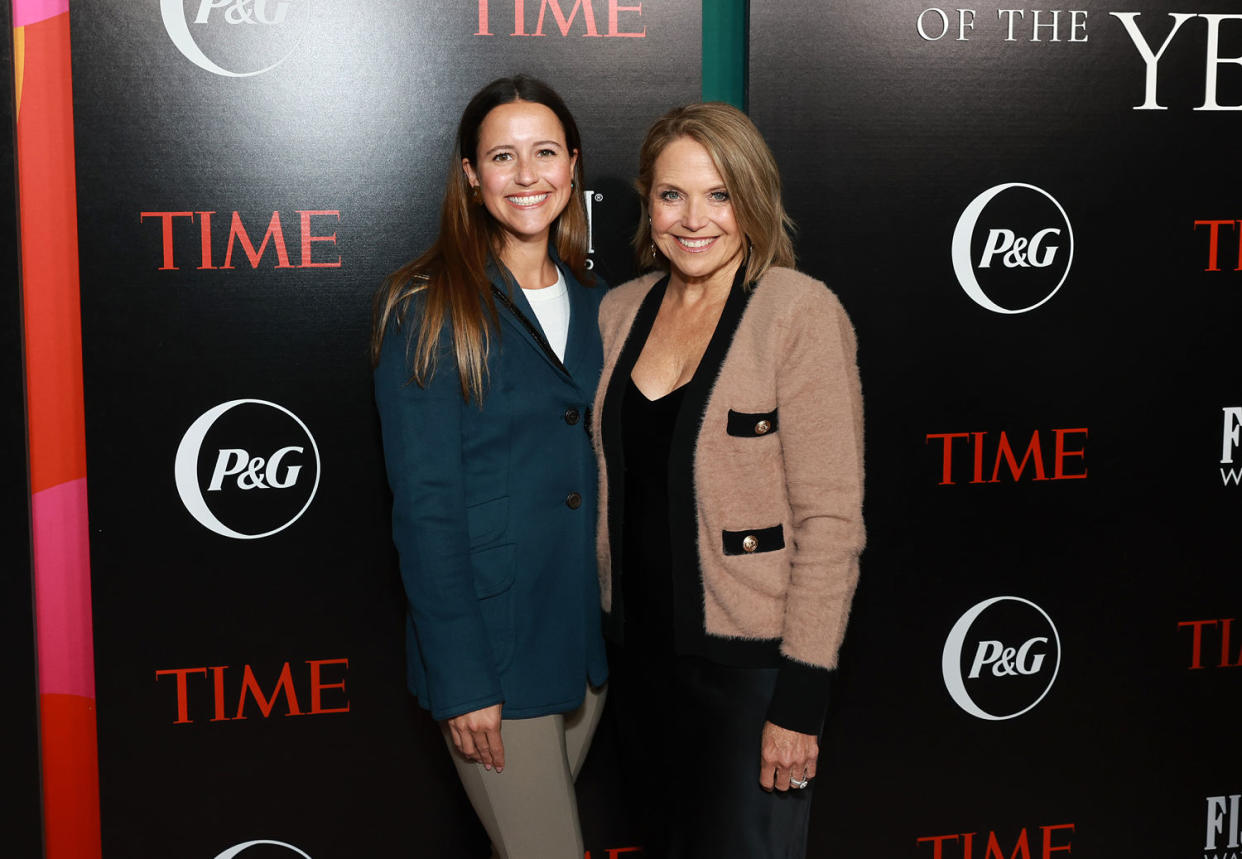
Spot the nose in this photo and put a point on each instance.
(525, 172)
(696, 214)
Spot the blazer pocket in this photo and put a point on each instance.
(752, 424)
(498, 619)
(493, 570)
(488, 520)
(754, 541)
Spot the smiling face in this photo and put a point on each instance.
(692, 220)
(522, 168)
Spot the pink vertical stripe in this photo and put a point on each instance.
(63, 590)
(33, 11)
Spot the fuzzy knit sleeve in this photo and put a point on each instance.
(820, 401)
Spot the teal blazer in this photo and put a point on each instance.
(494, 511)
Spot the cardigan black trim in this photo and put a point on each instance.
(689, 635)
(753, 541)
(752, 424)
(610, 440)
(800, 700)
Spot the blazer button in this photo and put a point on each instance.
(571, 416)
(573, 501)
(762, 427)
(750, 542)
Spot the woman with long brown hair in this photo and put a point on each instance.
(486, 357)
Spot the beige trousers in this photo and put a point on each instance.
(529, 810)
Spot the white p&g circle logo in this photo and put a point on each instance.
(215, 18)
(235, 850)
(252, 494)
(1021, 249)
(1014, 655)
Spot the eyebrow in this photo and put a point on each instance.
(536, 143)
(671, 186)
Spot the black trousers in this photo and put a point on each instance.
(690, 734)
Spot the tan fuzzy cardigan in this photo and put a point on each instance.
(766, 476)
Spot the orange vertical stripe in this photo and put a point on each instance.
(50, 258)
(70, 777)
(53, 325)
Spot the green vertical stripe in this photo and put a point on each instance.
(724, 51)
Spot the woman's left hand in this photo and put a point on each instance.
(786, 754)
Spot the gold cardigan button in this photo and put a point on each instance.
(749, 543)
(762, 427)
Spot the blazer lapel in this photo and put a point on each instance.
(520, 316)
(580, 348)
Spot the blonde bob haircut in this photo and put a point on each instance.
(743, 160)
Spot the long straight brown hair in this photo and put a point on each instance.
(452, 273)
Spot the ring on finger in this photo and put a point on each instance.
(799, 783)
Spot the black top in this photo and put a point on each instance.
(647, 579)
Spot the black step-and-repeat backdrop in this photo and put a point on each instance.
(248, 171)
(1032, 215)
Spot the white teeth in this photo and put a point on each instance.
(695, 243)
(530, 200)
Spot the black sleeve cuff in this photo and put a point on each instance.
(800, 700)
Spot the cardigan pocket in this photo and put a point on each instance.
(758, 559)
(754, 541)
(752, 424)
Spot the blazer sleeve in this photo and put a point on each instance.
(820, 401)
(422, 434)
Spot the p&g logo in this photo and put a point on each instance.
(247, 469)
(1000, 658)
(1012, 248)
(207, 33)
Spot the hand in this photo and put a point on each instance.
(785, 753)
(477, 736)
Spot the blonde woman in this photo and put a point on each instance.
(728, 430)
